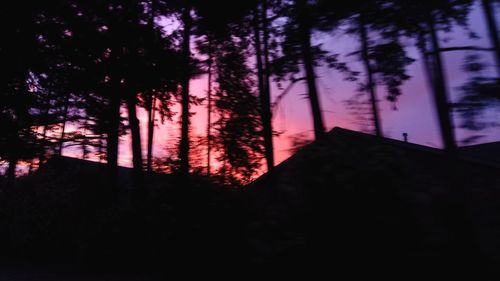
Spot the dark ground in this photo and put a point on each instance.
(401, 213)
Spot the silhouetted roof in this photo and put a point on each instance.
(484, 155)
(77, 170)
(365, 194)
(75, 167)
(487, 152)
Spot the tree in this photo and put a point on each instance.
(370, 85)
(20, 110)
(186, 76)
(261, 33)
(299, 55)
(489, 12)
(238, 126)
(385, 60)
(304, 18)
(383, 57)
(423, 23)
(207, 47)
(126, 59)
(212, 27)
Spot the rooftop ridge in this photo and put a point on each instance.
(337, 131)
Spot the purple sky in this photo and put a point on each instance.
(415, 115)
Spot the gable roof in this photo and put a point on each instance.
(487, 152)
(365, 194)
(480, 155)
(78, 170)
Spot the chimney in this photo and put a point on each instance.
(405, 137)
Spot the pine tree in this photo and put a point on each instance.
(238, 126)
(423, 23)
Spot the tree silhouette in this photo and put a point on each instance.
(304, 17)
(489, 12)
(261, 45)
(22, 59)
(238, 126)
(424, 22)
(77, 66)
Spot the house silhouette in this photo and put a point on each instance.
(347, 202)
(371, 202)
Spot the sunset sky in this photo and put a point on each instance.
(415, 114)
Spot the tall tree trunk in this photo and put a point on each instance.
(44, 135)
(31, 166)
(267, 125)
(308, 61)
(11, 169)
(209, 106)
(151, 127)
(85, 151)
(113, 135)
(152, 101)
(186, 54)
(136, 136)
(44, 142)
(63, 128)
(101, 150)
(426, 60)
(369, 74)
(263, 94)
(489, 12)
(440, 93)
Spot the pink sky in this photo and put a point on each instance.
(415, 114)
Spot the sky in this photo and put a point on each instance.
(415, 114)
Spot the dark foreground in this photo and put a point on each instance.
(402, 212)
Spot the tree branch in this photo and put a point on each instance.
(287, 89)
(461, 48)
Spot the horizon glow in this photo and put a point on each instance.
(415, 115)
